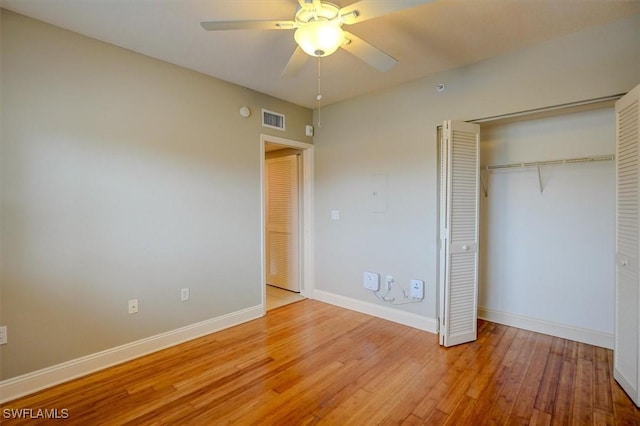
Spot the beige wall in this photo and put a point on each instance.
(393, 133)
(122, 177)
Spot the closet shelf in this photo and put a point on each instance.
(549, 162)
(539, 164)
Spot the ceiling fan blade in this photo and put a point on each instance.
(296, 62)
(369, 54)
(248, 25)
(369, 9)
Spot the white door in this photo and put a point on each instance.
(459, 221)
(282, 222)
(627, 322)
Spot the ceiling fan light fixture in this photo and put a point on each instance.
(319, 38)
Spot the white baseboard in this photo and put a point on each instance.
(32, 382)
(591, 337)
(395, 315)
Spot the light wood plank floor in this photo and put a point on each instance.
(277, 297)
(313, 363)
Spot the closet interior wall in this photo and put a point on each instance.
(547, 256)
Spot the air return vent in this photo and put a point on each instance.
(273, 120)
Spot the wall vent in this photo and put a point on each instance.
(273, 120)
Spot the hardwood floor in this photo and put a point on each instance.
(277, 297)
(313, 363)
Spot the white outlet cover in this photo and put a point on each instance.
(371, 281)
(417, 289)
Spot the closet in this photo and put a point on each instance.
(546, 202)
(547, 224)
(558, 247)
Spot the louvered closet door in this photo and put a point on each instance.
(459, 217)
(627, 324)
(282, 221)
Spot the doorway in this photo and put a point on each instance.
(282, 216)
(286, 172)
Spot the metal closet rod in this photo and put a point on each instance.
(538, 164)
(550, 162)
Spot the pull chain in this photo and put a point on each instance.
(319, 96)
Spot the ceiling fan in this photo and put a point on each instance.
(318, 31)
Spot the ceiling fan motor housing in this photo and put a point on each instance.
(326, 11)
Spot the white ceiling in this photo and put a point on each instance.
(425, 39)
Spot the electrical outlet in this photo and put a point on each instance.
(371, 281)
(417, 289)
(3, 335)
(184, 294)
(133, 306)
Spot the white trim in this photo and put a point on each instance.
(626, 386)
(307, 284)
(32, 382)
(591, 337)
(384, 312)
(264, 138)
(567, 108)
(308, 268)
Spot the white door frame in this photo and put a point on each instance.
(306, 216)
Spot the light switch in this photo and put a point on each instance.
(335, 214)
